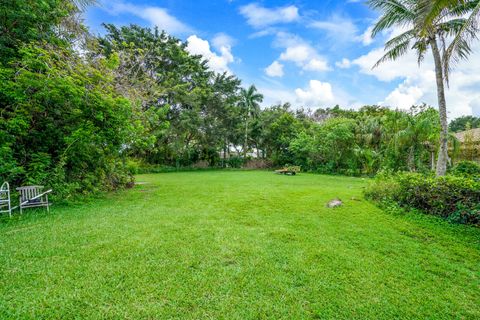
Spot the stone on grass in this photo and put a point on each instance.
(334, 203)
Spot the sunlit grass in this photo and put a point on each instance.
(236, 245)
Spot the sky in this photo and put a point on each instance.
(309, 53)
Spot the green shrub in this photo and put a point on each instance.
(466, 215)
(235, 162)
(454, 198)
(133, 166)
(466, 169)
(382, 188)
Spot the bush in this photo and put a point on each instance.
(454, 198)
(467, 169)
(382, 188)
(466, 216)
(133, 166)
(234, 162)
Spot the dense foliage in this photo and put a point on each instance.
(425, 30)
(453, 197)
(62, 123)
(364, 141)
(82, 113)
(467, 169)
(464, 123)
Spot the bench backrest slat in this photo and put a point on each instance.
(29, 192)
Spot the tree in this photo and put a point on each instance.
(419, 136)
(62, 122)
(464, 122)
(460, 47)
(402, 13)
(250, 103)
(24, 21)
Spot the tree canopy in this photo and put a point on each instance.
(81, 113)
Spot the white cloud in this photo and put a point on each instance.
(155, 15)
(366, 37)
(275, 95)
(217, 62)
(344, 64)
(300, 52)
(404, 96)
(317, 94)
(390, 70)
(275, 69)
(418, 83)
(475, 106)
(343, 29)
(259, 17)
(337, 27)
(222, 40)
(264, 32)
(317, 64)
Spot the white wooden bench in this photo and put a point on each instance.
(5, 201)
(33, 196)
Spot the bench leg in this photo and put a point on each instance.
(48, 207)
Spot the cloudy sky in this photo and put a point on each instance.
(308, 53)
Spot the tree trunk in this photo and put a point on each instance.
(246, 136)
(442, 109)
(224, 160)
(411, 159)
(432, 160)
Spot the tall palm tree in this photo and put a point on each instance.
(460, 47)
(405, 13)
(250, 103)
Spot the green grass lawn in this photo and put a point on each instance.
(236, 245)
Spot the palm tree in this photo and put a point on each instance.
(460, 47)
(249, 102)
(405, 13)
(419, 135)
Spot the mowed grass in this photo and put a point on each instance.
(236, 245)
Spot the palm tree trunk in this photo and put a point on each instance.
(442, 109)
(411, 159)
(246, 136)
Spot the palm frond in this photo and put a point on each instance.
(395, 13)
(429, 10)
(406, 36)
(460, 8)
(421, 47)
(465, 33)
(399, 50)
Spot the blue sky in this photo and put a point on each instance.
(308, 53)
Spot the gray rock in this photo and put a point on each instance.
(334, 203)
